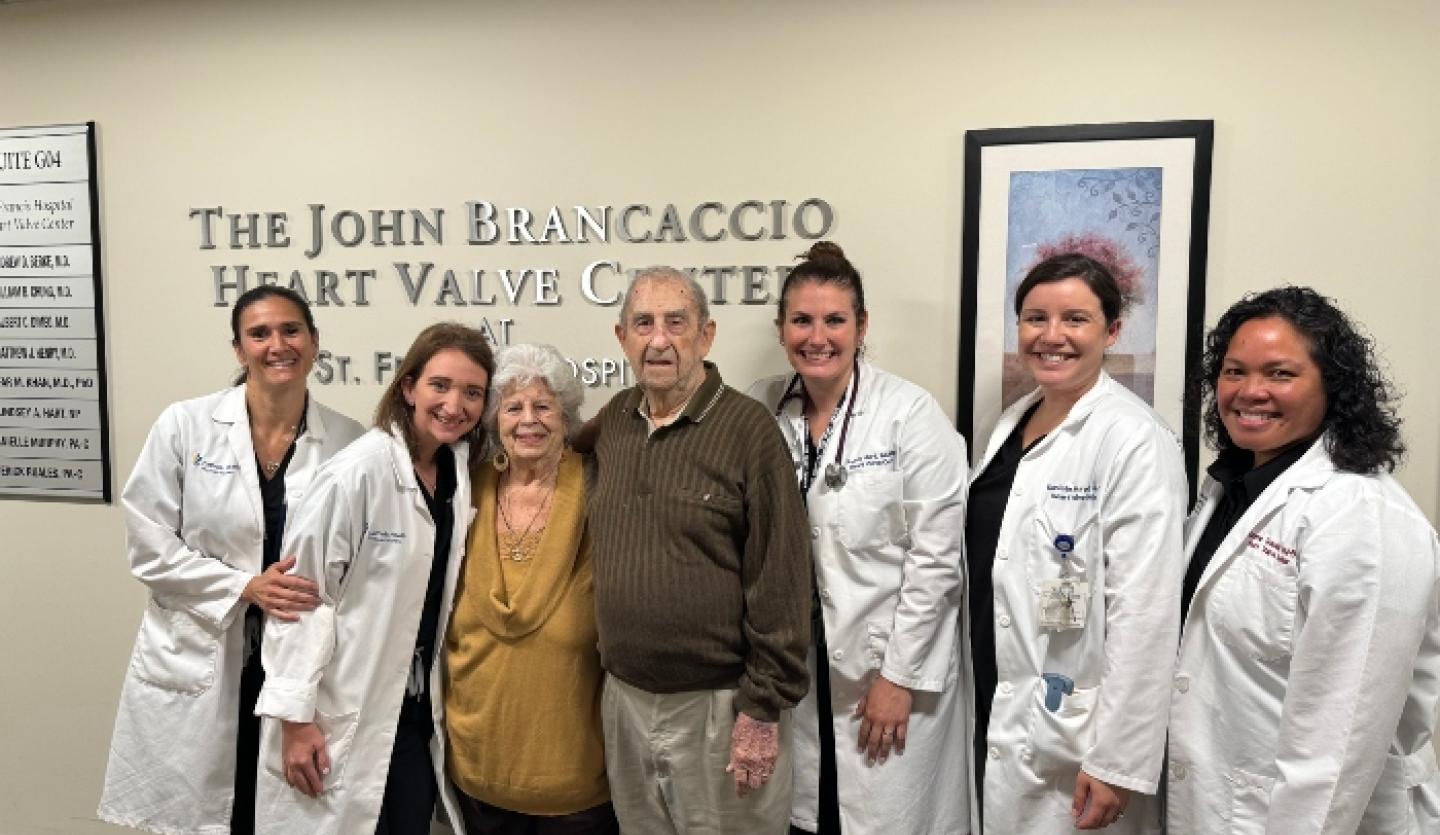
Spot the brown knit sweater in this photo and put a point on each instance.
(702, 551)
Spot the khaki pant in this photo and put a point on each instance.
(665, 756)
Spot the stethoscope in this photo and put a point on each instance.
(835, 472)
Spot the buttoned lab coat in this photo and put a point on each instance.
(1309, 670)
(1111, 477)
(195, 528)
(364, 534)
(888, 563)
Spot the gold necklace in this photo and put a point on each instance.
(517, 550)
(270, 467)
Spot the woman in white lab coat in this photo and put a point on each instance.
(883, 472)
(204, 513)
(1309, 671)
(1073, 540)
(353, 742)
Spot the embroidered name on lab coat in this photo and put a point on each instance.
(1074, 492)
(1277, 551)
(386, 537)
(205, 465)
(871, 461)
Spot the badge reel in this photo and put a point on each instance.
(1064, 601)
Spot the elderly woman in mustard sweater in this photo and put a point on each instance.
(523, 706)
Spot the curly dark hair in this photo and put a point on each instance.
(1361, 424)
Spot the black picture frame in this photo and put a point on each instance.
(1187, 144)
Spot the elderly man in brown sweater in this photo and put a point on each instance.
(702, 582)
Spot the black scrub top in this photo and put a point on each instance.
(985, 511)
(415, 709)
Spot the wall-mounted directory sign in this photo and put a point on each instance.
(54, 433)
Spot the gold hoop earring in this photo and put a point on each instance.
(501, 461)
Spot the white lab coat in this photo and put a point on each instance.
(888, 562)
(1112, 477)
(1309, 670)
(195, 526)
(363, 533)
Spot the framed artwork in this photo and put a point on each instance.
(1136, 196)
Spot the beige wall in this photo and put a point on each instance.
(1325, 173)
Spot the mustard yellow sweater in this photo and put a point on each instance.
(522, 706)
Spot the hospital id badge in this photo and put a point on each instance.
(1063, 603)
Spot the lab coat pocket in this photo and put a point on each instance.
(1253, 606)
(1060, 740)
(872, 513)
(1249, 802)
(175, 651)
(339, 732)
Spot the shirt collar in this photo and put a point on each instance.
(697, 406)
(1232, 468)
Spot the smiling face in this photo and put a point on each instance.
(664, 340)
(275, 345)
(448, 396)
(821, 331)
(1270, 392)
(531, 424)
(1063, 336)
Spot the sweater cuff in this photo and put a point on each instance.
(755, 708)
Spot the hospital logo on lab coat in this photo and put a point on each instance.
(205, 465)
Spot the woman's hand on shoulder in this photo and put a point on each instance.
(304, 758)
(281, 595)
(884, 714)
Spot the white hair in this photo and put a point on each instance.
(517, 366)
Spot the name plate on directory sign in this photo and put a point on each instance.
(54, 426)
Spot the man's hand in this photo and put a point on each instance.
(303, 757)
(754, 747)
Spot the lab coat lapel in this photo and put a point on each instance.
(460, 533)
(232, 412)
(1077, 415)
(404, 470)
(791, 417)
(1209, 499)
(1003, 427)
(1312, 470)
